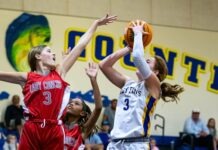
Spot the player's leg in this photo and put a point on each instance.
(29, 139)
(54, 138)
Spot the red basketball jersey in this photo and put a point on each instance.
(45, 97)
(73, 138)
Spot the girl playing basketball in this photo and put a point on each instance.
(137, 99)
(79, 121)
(46, 94)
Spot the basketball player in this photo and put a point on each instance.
(137, 99)
(79, 121)
(46, 93)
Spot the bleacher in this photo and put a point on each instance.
(4, 133)
(173, 143)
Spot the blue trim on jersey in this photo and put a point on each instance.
(150, 106)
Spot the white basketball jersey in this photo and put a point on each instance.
(134, 110)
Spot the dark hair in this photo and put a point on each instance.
(114, 100)
(83, 119)
(209, 120)
(15, 97)
(32, 56)
(169, 92)
(87, 111)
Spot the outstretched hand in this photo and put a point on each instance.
(138, 27)
(92, 70)
(106, 20)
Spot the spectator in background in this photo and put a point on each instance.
(14, 118)
(153, 144)
(94, 143)
(196, 127)
(11, 143)
(2, 138)
(211, 124)
(104, 134)
(109, 113)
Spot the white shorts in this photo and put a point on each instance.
(128, 146)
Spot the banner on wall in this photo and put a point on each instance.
(23, 33)
(190, 56)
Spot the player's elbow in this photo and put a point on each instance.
(103, 65)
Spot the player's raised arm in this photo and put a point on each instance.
(92, 71)
(106, 66)
(70, 59)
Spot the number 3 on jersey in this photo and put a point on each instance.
(47, 96)
(126, 101)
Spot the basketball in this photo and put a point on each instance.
(129, 35)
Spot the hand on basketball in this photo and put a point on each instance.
(129, 48)
(137, 27)
(92, 70)
(106, 20)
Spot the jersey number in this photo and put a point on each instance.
(47, 96)
(127, 104)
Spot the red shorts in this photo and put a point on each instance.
(37, 135)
